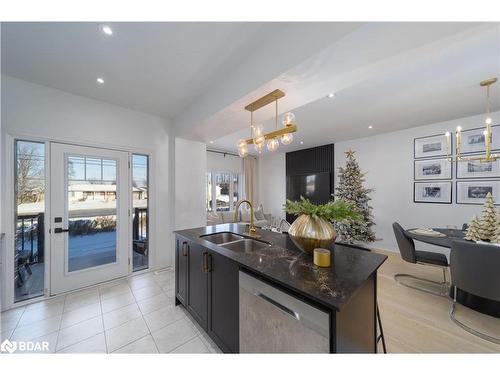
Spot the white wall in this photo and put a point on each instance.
(224, 163)
(30, 110)
(190, 172)
(272, 183)
(388, 161)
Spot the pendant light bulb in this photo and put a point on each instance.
(287, 138)
(259, 140)
(272, 144)
(257, 130)
(242, 148)
(288, 119)
(259, 147)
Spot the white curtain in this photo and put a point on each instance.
(249, 178)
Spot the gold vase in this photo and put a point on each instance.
(309, 233)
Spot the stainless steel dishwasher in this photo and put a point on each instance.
(272, 321)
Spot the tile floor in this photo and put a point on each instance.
(134, 315)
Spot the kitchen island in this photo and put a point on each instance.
(212, 261)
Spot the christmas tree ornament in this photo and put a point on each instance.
(488, 220)
(351, 189)
(473, 232)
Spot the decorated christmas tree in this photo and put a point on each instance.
(489, 219)
(351, 189)
(473, 232)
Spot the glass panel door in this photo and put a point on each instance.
(90, 201)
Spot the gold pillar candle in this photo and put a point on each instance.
(322, 257)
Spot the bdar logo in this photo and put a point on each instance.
(8, 346)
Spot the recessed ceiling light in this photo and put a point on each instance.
(301, 142)
(100, 81)
(370, 126)
(211, 141)
(331, 95)
(107, 30)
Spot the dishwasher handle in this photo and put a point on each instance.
(280, 306)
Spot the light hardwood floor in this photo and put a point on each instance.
(418, 322)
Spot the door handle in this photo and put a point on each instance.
(184, 249)
(60, 230)
(278, 305)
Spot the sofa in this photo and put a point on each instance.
(224, 217)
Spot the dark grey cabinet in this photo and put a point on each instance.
(197, 298)
(207, 286)
(223, 305)
(181, 274)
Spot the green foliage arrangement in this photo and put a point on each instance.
(338, 210)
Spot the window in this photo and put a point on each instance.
(29, 218)
(209, 192)
(225, 187)
(235, 189)
(140, 205)
(222, 184)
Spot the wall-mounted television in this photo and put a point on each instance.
(315, 187)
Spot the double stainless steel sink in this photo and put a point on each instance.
(236, 242)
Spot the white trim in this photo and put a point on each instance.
(8, 223)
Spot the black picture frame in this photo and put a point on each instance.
(463, 181)
(473, 178)
(431, 182)
(432, 156)
(415, 161)
(478, 151)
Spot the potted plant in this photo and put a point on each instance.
(313, 228)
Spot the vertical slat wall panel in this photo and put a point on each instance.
(309, 161)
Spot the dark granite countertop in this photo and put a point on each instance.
(285, 264)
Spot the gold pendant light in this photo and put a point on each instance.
(488, 156)
(258, 137)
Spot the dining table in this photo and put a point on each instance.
(448, 235)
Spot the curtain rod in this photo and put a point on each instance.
(227, 153)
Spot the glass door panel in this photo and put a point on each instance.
(140, 218)
(92, 202)
(29, 254)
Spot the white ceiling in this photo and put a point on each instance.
(201, 75)
(388, 86)
(158, 68)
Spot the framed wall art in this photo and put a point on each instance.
(473, 140)
(432, 146)
(474, 192)
(432, 192)
(474, 169)
(432, 169)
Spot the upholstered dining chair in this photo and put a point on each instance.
(427, 258)
(475, 269)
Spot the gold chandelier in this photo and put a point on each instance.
(488, 156)
(258, 137)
